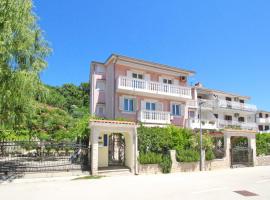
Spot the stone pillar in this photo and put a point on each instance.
(252, 145)
(227, 147)
(135, 142)
(94, 151)
(174, 161)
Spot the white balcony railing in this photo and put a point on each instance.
(237, 105)
(237, 124)
(206, 124)
(153, 87)
(155, 117)
(212, 104)
(263, 120)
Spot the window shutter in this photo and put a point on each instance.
(176, 82)
(147, 77)
(182, 110)
(159, 106)
(135, 102)
(143, 106)
(129, 74)
(121, 103)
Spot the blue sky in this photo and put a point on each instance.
(226, 42)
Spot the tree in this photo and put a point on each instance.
(23, 51)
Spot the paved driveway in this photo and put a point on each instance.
(216, 185)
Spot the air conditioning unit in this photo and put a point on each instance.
(183, 78)
(236, 114)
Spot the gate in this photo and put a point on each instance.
(241, 156)
(37, 156)
(116, 149)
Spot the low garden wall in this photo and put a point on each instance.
(185, 166)
(150, 169)
(263, 160)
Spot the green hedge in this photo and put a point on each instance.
(189, 155)
(263, 144)
(209, 155)
(150, 158)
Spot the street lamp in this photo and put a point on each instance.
(201, 133)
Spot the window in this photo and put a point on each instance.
(128, 105)
(137, 75)
(105, 140)
(260, 115)
(216, 116)
(260, 127)
(266, 128)
(266, 116)
(228, 117)
(100, 110)
(100, 69)
(150, 106)
(176, 110)
(242, 101)
(228, 99)
(241, 119)
(167, 81)
(191, 114)
(100, 85)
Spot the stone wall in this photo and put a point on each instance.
(149, 169)
(263, 160)
(186, 166)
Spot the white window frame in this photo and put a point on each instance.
(137, 75)
(99, 69)
(174, 106)
(99, 106)
(129, 105)
(102, 82)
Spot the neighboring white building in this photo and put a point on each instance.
(221, 110)
(263, 121)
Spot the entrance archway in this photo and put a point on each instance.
(116, 150)
(241, 154)
(240, 147)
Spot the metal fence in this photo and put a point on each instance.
(38, 156)
(242, 156)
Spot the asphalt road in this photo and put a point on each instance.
(216, 185)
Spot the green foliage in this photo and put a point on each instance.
(263, 144)
(23, 55)
(209, 155)
(154, 139)
(189, 155)
(150, 158)
(166, 163)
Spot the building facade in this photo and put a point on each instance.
(138, 91)
(263, 121)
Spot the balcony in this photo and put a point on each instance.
(237, 106)
(144, 87)
(263, 120)
(223, 124)
(206, 124)
(213, 104)
(154, 117)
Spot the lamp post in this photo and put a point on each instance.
(201, 134)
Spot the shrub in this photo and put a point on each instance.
(209, 155)
(263, 144)
(150, 158)
(166, 164)
(189, 155)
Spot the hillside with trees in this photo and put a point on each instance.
(29, 109)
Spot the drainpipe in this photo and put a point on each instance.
(114, 82)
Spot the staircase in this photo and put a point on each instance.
(114, 171)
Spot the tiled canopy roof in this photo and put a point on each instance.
(112, 122)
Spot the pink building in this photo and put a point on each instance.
(141, 91)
